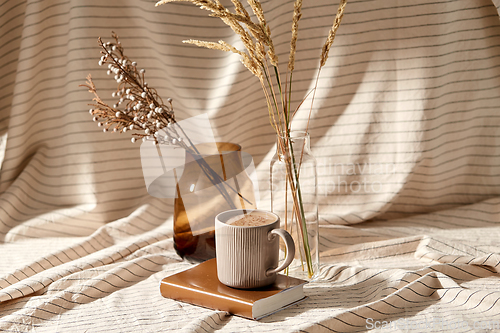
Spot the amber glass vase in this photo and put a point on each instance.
(214, 180)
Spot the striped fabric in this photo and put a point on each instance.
(405, 128)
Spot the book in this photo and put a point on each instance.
(200, 286)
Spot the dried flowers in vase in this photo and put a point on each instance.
(140, 110)
(261, 59)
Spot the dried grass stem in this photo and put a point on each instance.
(333, 31)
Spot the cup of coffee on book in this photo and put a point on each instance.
(247, 248)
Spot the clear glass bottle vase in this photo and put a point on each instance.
(293, 184)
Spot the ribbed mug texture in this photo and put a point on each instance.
(244, 254)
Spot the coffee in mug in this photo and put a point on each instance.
(251, 219)
(247, 248)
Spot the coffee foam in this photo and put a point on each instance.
(253, 219)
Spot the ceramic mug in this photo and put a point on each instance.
(248, 256)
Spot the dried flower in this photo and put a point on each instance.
(138, 106)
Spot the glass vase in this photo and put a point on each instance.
(214, 179)
(293, 185)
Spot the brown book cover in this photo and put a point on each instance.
(199, 285)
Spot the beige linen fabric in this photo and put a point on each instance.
(405, 128)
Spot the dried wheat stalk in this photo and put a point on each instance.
(333, 31)
(297, 6)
